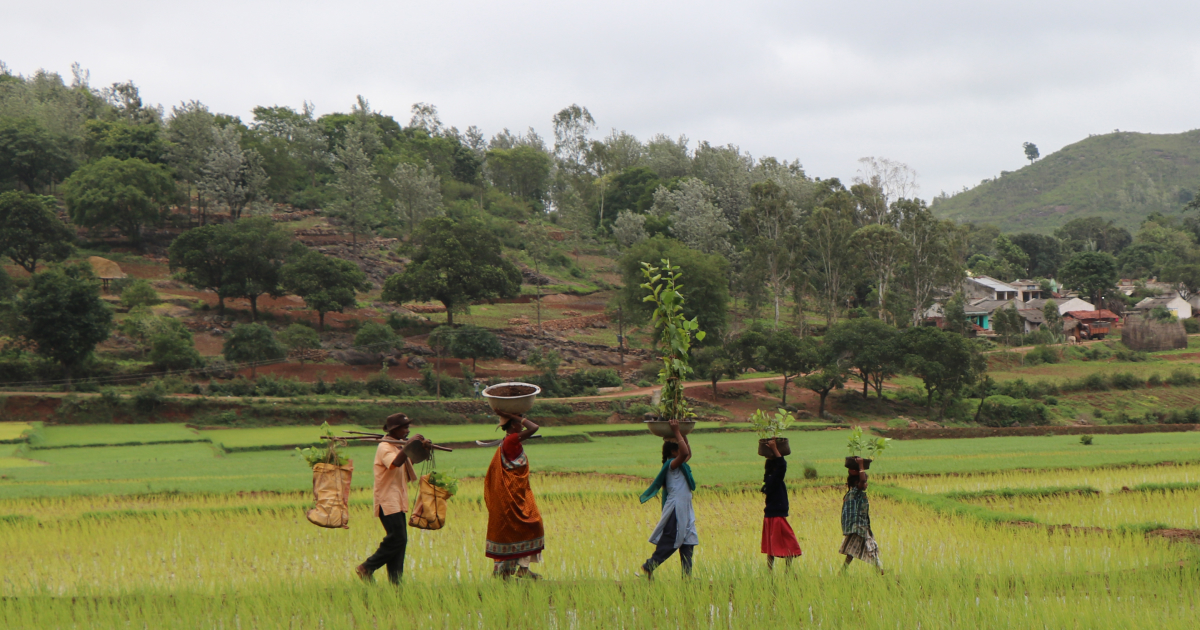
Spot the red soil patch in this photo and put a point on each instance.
(1178, 535)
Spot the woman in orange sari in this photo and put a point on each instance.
(515, 536)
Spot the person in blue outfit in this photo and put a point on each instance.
(676, 528)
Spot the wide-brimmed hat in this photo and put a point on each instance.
(395, 421)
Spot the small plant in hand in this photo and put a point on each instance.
(328, 455)
(1085, 440)
(444, 481)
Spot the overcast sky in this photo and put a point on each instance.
(951, 88)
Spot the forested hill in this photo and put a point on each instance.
(1122, 176)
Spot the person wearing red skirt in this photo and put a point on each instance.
(778, 540)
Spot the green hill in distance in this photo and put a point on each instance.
(1122, 176)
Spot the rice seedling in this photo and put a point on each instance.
(1177, 509)
(113, 434)
(1105, 479)
(224, 560)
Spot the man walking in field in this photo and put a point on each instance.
(393, 473)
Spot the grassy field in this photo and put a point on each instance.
(12, 431)
(185, 535)
(167, 560)
(723, 459)
(109, 434)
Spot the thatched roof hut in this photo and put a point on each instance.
(1151, 335)
(105, 269)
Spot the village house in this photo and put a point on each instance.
(1033, 318)
(1178, 306)
(1029, 290)
(1064, 304)
(988, 288)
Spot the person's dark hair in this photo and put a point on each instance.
(670, 449)
(852, 479)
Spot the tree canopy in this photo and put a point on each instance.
(705, 282)
(122, 194)
(323, 282)
(455, 263)
(63, 314)
(30, 232)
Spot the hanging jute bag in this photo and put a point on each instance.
(429, 509)
(331, 489)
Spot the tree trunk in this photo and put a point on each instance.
(321, 320)
(776, 324)
(538, 285)
(438, 385)
(253, 308)
(715, 378)
(866, 381)
(449, 315)
(783, 397)
(821, 409)
(220, 304)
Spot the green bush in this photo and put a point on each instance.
(1181, 377)
(172, 351)
(139, 293)
(1131, 356)
(1004, 411)
(1085, 440)
(148, 398)
(1191, 326)
(451, 387)
(346, 386)
(1154, 381)
(1040, 355)
(773, 389)
(1126, 380)
(376, 337)
(810, 471)
(381, 384)
(299, 336)
(270, 385)
(583, 380)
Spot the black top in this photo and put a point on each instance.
(775, 488)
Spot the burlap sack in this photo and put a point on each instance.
(429, 510)
(331, 490)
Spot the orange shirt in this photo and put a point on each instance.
(391, 483)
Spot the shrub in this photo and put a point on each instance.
(148, 398)
(810, 471)
(773, 389)
(299, 336)
(1040, 355)
(1085, 440)
(381, 384)
(139, 293)
(376, 337)
(172, 351)
(1191, 326)
(1050, 400)
(399, 322)
(1131, 356)
(1154, 381)
(1181, 377)
(1004, 411)
(346, 386)
(594, 378)
(451, 387)
(270, 385)
(1126, 380)
(1095, 383)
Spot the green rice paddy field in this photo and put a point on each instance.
(187, 534)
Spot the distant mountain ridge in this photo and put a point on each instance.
(1122, 176)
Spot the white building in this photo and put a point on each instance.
(1178, 306)
(1064, 305)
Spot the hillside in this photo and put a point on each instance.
(1122, 176)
